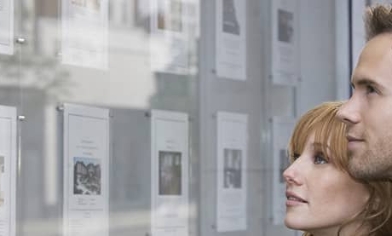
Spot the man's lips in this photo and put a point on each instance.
(352, 138)
(353, 141)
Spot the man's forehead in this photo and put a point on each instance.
(376, 53)
(380, 42)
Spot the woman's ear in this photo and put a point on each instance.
(376, 203)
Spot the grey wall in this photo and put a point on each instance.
(201, 95)
(262, 100)
(317, 42)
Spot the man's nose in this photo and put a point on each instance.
(348, 112)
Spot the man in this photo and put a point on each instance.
(368, 113)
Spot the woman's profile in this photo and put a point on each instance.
(322, 198)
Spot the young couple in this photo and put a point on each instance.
(339, 181)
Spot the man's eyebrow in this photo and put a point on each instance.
(363, 82)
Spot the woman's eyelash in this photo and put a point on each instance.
(295, 156)
(320, 158)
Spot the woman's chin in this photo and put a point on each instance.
(292, 224)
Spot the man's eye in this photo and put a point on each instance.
(320, 159)
(370, 89)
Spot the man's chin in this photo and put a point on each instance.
(357, 169)
(365, 172)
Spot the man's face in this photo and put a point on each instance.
(368, 113)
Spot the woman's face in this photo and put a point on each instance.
(320, 197)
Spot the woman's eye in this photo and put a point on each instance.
(320, 159)
(295, 156)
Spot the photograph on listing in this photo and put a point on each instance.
(87, 176)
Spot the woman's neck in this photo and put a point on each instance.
(352, 229)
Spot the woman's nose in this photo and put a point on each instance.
(291, 175)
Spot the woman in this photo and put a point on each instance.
(322, 198)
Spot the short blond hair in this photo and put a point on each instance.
(378, 20)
